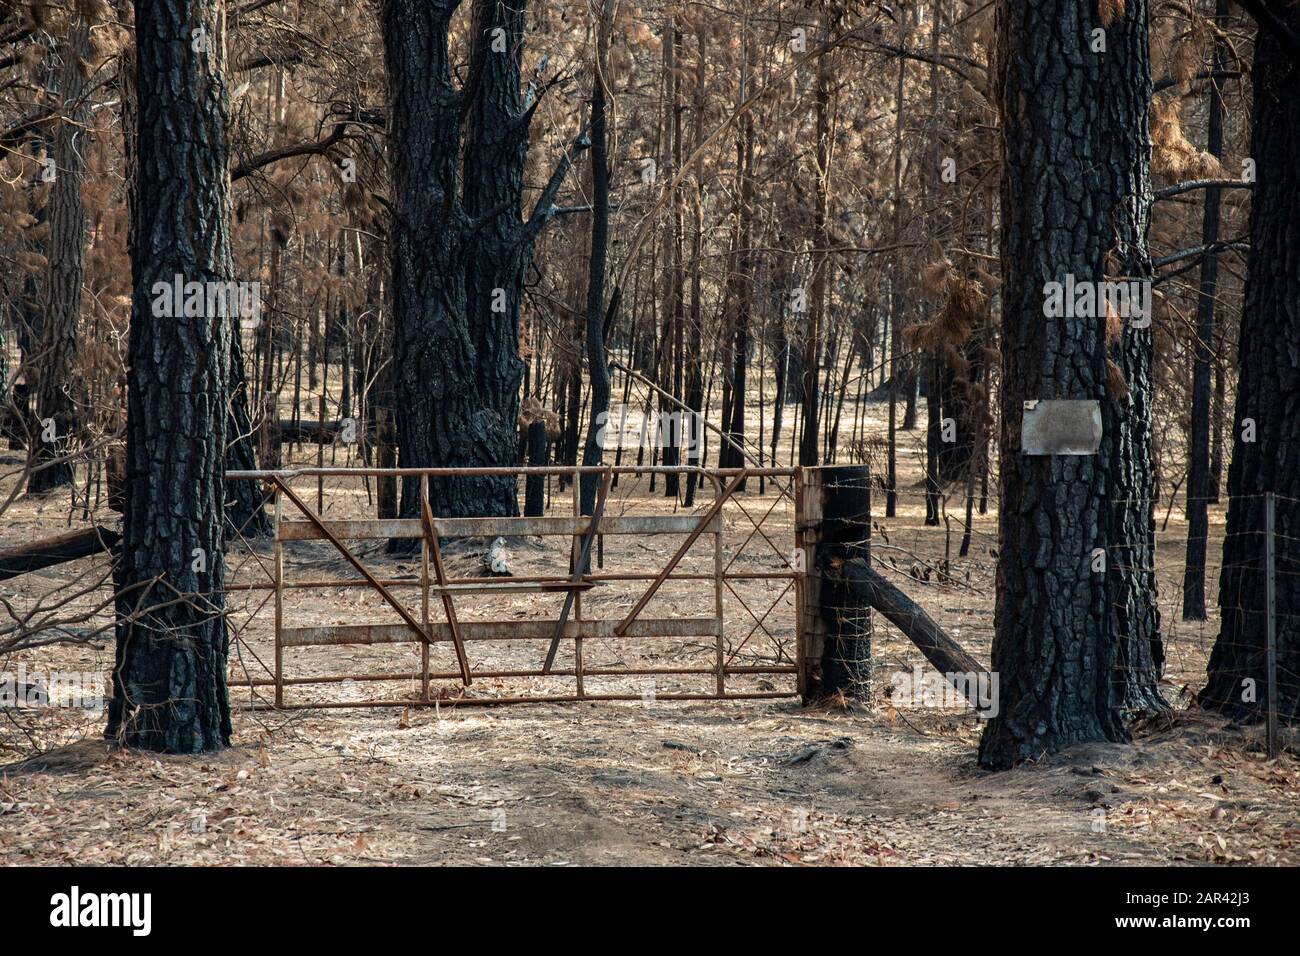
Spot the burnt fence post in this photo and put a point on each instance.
(834, 526)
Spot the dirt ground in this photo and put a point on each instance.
(643, 781)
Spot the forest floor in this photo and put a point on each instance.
(647, 781)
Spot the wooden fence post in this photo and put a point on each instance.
(833, 525)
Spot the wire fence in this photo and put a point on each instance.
(959, 589)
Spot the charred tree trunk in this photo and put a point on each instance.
(691, 430)
(459, 257)
(496, 147)
(381, 406)
(740, 287)
(1198, 478)
(911, 392)
(957, 399)
(1266, 431)
(670, 348)
(745, 294)
(434, 363)
(781, 367)
(51, 551)
(895, 300)
(538, 455)
(809, 452)
(169, 679)
(597, 360)
(264, 346)
(56, 380)
(1070, 664)
(933, 443)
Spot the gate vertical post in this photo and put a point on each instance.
(811, 636)
(577, 597)
(424, 597)
(718, 571)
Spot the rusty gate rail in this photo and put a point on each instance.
(462, 634)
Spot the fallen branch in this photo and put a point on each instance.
(56, 550)
(946, 655)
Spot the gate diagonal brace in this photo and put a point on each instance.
(374, 582)
(644, 599)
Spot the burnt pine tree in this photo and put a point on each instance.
(56, 408)
(245, 511)
(1199, 475)
(169, 678)
(1266, 422)
(460, 249)
(597, 357)
(809, 449)
(1075, 614)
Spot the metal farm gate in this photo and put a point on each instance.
(631, 603)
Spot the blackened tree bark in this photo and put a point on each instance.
(933, 436)
(911, 391)
(1075, 194)
(731, 456)
(169, 679)
(57, 353)
(1268, 398)
(1198, 478)
(245, 514)
(458, 261)
(809, 448)
(669, 359)
(695, 368)
(957, 402)
(781, 363)
(935, 225)
(1216, 440)
(597, 360)
(1127, 443)
(539, 446)
(895, 300)
(496, 148)
(434, 363)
